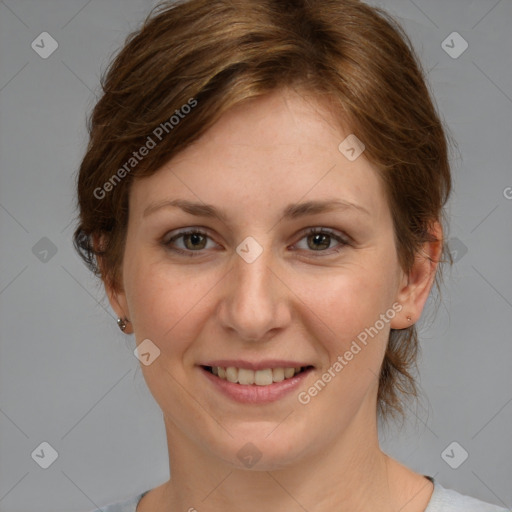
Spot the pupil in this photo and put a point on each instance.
(194, 238)
(319, 237)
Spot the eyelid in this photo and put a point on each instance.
(166, 239)
(341, 237)
(336, 233)
(184, 231)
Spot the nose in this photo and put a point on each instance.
(255, 304)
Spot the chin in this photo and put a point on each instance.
(256, 450)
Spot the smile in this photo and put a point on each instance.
(255, 386)
(247, 377)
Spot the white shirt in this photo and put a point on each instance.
(442, 500)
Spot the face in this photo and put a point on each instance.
(265, 285)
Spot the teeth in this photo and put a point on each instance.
(278, 374)
(232, 374)
(263, 377)
(248, 377)
(245, 376)
(289, 372)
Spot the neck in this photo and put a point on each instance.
(349, 474)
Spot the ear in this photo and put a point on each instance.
(117, 299)
(415, 286)
(115, 293)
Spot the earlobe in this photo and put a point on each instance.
(118, 303)
(123, 325)
(417, 283)
(115, 296)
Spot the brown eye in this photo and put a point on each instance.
(194, 241)
(191, 241)
(320, 241)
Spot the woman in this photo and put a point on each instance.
(263, 196)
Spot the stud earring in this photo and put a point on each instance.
(409, 318)
(121, 322)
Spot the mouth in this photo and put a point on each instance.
(249, 377)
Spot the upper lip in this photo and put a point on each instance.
(255, 365)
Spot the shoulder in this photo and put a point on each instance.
(129, 505)
(449, 500)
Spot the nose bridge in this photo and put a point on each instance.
(254, 304)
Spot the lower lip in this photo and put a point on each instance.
(254, 394)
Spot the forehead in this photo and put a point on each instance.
(278, 148)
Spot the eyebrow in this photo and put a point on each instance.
(292, 211)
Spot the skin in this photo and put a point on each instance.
(305, 304)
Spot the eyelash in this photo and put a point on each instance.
(311, 231)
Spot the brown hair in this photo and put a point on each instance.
(213, 54)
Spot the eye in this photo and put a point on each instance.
(194, 240)
(319, 239)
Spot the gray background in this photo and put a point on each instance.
(68, 376)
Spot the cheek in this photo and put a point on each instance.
(345, 317)
(350, 300)
(164, 300)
